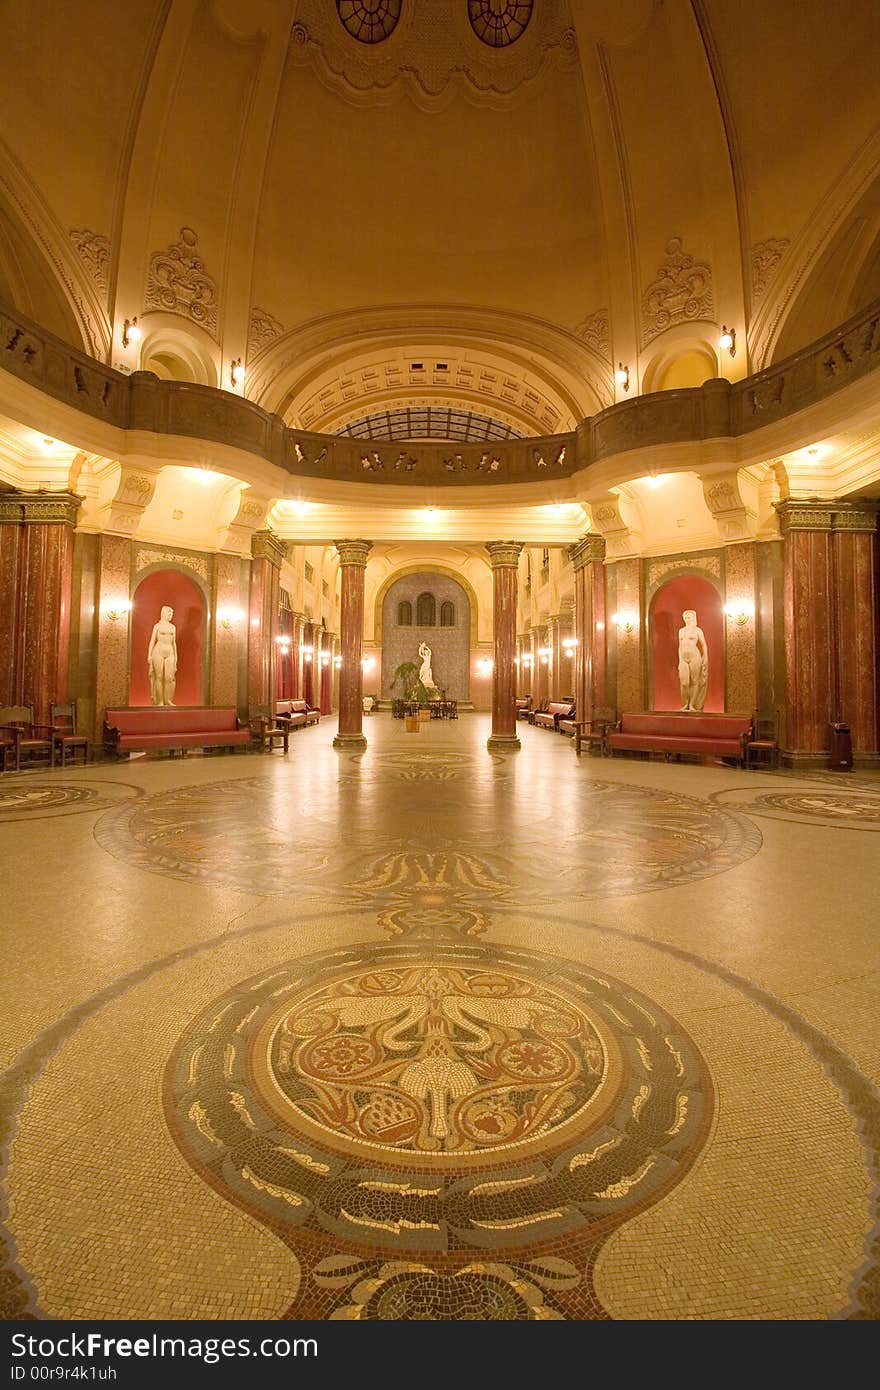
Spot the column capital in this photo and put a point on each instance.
(504, 554)
(46, 508)
(813, 514)
(588, 548)
(353, 552)
(265, 545)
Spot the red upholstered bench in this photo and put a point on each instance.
(297, 712)
(556, 710)
(711, 735)
(145, 730)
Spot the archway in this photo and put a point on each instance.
(178, 591)
(450, 642)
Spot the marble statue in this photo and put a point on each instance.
(162, 658)
(693, 663)
(426, 675)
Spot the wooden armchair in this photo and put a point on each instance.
(29, 738)
(266, 731)
(64, 736)
(762, 742)
(592, 732)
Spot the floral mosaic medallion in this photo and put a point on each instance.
(22, 798)
(251, 834)
(445, 1133)
(856, 809)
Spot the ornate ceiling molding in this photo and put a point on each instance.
(680, 293)
(178, 283)
(95, 252)
(432, 55)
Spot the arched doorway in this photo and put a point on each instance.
(179, 592)
(435, 609)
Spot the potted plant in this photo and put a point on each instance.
(414, 692)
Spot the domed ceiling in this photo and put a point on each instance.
(468, 205)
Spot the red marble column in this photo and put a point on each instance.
(830, 622)
(326, 671)
(353, 560)
(263, 617)
(589, 624)
(504, 558)
(36, 566)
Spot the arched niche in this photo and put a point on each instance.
(670, 600)
(450, 645)
(179, 591)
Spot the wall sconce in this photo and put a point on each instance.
(621, 376)
(545, 651)
(337, 662)
(116, 608)
(727, 341)
(626, 620)
(569, 644)
(739, 612)
(228, 617)
(325, 658)
(131, 332)
(306, 653)
(236, 372)
(367, 663)
(283, 644)
(528, 659)
(485, 665)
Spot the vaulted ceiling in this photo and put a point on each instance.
(254, 181)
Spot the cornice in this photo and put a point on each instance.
(44, 508)
(818, 515)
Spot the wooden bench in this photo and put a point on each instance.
(144, 730)
(707, 735)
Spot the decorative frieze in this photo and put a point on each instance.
(586, 550)
(265, 545)
(799, 514)
(681, 292)
(41, 508)
(146, 556)
(701, 561)
(178, 283)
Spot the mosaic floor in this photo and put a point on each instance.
(432, 1033)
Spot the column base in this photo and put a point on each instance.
(503, 743)
(352, 742)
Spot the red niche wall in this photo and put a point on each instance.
(180, 593)
(669, 602)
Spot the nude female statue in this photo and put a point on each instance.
(693, 663)
(162, 658)
(426, 675)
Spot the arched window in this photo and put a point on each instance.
(447, 614)
(426, 610)
(404, 613)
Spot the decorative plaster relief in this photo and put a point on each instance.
(434, 53)
(697, 562)
(766, 256)
(595, 330)
(620, 538)
(178, 283)
(251, 515)
(729, 512)
(95, 252)
(133, 493)
(145, 557)
(681, 292)
(264, 327)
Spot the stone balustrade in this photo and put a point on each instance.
(717, 409)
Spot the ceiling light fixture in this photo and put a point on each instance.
(131, 332)
(727, 341)
(621, 376)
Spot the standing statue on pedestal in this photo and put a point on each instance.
(426, 675)
(693, 664)
(162, 659)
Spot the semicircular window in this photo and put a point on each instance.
(369, 21)
(430, 422)
(447, 614)
(426, 610)
(404, 613)
(499, 22)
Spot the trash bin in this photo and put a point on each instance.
(841, 748)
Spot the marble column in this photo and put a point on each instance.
(504, 558)
(587, 557)
(353, 561)
(325, 670)
(830, 618)
(36, 568)
(268, 555)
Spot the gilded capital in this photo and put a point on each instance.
(265, 545)
(353, 552)
(795, 514)
(588, 548)
(504, 554)
(40, 508)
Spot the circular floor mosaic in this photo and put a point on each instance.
(23, 798)
(856, 810)
(462, 845)
(401, 1117)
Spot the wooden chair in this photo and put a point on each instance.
(64, 736)
(29, 738)
(762, 742)
(265, 731)
(592, 732)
